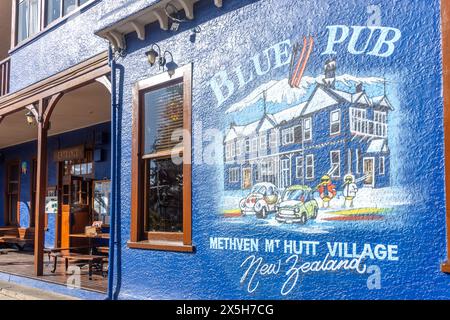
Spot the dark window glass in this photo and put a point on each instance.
(69, 6)
(163, 118)
(53, 10)
(164, 196)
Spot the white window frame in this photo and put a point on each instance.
(357, 169)
(239, 146)
(247, 147)
(233, 175)
(333, 122)
(228, 151)
(254, 145)
(288, 133)
(382, 161)
(263, 141)
(298, 167)
(307, 129)
(274, 139)
(310, 165)
(233, 149)
(333, 173)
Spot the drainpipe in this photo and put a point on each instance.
(112, 219)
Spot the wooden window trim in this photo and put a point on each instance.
(161, 241)
(445, 12)
(7, 220)
(43, 27)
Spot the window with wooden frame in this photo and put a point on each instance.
(33, 16)
(161, 169)
(12, 193)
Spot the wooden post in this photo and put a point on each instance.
(445, 15)
(44, 112)
(41, 190)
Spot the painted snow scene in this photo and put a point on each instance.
(312, 154)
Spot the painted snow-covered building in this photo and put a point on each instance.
(333, 133)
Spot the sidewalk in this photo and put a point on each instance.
(12, 291)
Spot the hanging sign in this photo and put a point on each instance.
(69, 154)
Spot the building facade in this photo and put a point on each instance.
(134, 132)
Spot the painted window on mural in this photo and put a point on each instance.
(27, 19)
(335, 160)
(382, 165)
(234, 175)
(308, 129)
(310, 166)
(163, 124)
(263, 141)
(299, 168)
(273, 139)
(288, 136)
(335, 122)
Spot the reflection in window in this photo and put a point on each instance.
(163, 124)
(164, 196)
(53, 10)
(102, 201)
(27, 19)
(163, 117)
(59, 8)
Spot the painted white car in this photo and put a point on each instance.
(261, 201)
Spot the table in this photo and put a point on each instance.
(104, 236)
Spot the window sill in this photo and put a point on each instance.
(445, 267)
(161, 245)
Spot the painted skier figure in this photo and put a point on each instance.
(327, 191)
(350, 190)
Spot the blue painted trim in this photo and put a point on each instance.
(113, 176)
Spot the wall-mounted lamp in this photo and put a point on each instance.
(31, 120)
(155, 57)
(152, 54)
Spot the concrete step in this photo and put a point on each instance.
(12, 291)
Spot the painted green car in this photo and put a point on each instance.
(297, 205)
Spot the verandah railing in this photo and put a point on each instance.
(5, 68)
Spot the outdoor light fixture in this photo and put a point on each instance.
(30, 118)
(155, 57)
(152, 54)
(170, 66)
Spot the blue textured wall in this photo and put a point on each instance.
(69, 42)
(231, 36)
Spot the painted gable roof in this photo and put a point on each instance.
(289, 114)
(382, 101)
(377, 146)
(320, 99)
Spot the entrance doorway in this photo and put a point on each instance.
(369, 170)
(246, 178)
(75, 195)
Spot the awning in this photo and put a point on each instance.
(140, 15)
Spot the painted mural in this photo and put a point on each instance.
(307, 151)
(319, 151)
